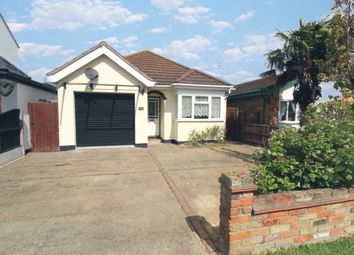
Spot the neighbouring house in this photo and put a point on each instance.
(257, 107)
(263, 101)
(9, 47)
(18, 89)
(106, 99)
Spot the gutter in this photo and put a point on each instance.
(27, 81)
(266, 91)
(186, 85)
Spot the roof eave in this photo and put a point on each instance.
(202, 86)
(260, 92)
(99, 51)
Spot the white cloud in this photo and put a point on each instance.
(239, 76)
(17, 27)
(129, 42)
(190, 15)
(41, 50)
(167, 5)
(39, 74)
(245, 16)
(74, 14)
(219, 25)
(255, 46)
(158, 30)
(270, 2)
(122, 45)
(188, 49)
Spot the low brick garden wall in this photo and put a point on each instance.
(255, 223)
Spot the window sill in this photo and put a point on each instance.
(289, 122)
(200, 120)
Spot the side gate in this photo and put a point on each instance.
(44, 126)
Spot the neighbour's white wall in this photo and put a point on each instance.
(25, 95)
(286, 94)
(109, 73)
(10, 102)
(19, 99)
(8, 47)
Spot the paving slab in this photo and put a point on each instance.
(91, 202)
(196, 170)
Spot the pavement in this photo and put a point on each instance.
(114, 201)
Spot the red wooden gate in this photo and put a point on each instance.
(44, 126)
(231, 123)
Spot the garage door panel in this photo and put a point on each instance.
(104, 119)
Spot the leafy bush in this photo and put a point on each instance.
(215, 134)
(319, 154)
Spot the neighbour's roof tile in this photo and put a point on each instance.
(255, 85)
(165, 71)
(6, 66)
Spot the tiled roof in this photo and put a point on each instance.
(165, 71)
(255, 85)
(157, 68)
(6, 66)
(11, 72)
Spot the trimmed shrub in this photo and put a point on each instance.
(212, 134)
(320, 154)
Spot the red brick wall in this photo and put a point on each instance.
(268, 112)
(254, 223)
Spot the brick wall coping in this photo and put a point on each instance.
(258, 211)
(300, 199)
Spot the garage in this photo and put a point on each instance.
(104, 119)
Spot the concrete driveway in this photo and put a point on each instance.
(112, 201)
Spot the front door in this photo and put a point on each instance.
(154, 116)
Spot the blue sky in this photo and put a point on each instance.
(228, 40)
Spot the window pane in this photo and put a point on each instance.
(215, 107)
(291, 111)
(152, 108)
(201, 111)
(283, 109)
(186, 107)
(201, 99)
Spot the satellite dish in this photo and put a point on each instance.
(91, 73)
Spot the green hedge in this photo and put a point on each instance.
(319, 154)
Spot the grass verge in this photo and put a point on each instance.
(343, 246)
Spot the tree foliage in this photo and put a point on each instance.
(338, 66)
(316, 52)
(317, 155)
(297, 60)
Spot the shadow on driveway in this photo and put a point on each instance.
(235, 153)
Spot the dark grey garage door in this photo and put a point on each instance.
(104, 119)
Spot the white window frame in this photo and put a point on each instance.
(194, 95)
(297, 112)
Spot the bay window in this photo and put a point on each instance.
(200, 107)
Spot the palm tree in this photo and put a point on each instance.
(297, 61)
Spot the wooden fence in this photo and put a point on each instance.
(256, 133)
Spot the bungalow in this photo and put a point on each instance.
(106, 99)
(263, 101)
